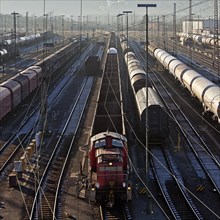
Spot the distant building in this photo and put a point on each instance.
(198, 26)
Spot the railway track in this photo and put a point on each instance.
(201, 55)
(21, 136)
(28, 180)
(178, 201)
(206, 159)
(200, 155)
(199, 59)
(119, 211)
(46, 203)
(209, 162)
(205, 163)
(10, 149)
(109, 117)
(27, 60)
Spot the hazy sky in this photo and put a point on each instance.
(90, 7)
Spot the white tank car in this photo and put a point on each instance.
(167, 61)
(205, 90)
(180, 70)
(173, 65)
(158, 54)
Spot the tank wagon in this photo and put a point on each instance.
(158, 122)
(3, 55)
(207, 40)
(7, 50)
(108, 156)
(158, 125)
(16, 89)
(206, 91)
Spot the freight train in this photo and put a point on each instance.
(108, 154)
(16, 89)
(206, 91)
(7, 47)
(25, 40)
(158, 119)
(198, 39)
(8, 52)
(93, 62)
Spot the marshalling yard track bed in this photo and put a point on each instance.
(70, 201)
(30, 178)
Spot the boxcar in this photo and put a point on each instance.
(24, 82)
(5, 102)
(15, 90)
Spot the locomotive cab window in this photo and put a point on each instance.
(117, 143)
(100, 143)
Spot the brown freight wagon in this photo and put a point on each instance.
(92, 65)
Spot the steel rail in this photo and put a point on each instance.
(181, 121)
(42, 181)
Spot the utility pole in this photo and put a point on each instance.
(163, 34)
(71, 28)
(5, 26)
(119, 15)
(81, 23)
(1, 19)
(55, 24)
(108, 28)
(18, 24)
(127, 12)
(146, 6)
(158, 31)
(190, 28)
(35, 31)
(15, 51)
(87, 27)
(216, 47)
(122, 24)
(27, 24)
(134, 25)
(80, 28)
(45, 35)
(62, 17)
(51, 22)
(43, 126)
(174, 30)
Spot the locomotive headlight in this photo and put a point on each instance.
(129, 187)
(97, 185)
(93, 187)
(124, 184)
(110, 164)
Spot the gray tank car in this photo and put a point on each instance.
(206, 91)
(158, 119)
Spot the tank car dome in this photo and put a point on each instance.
(112, 50)
(3, 52)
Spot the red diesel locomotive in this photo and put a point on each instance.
(109, 167)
